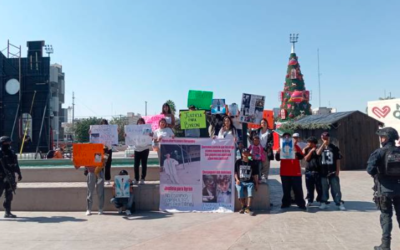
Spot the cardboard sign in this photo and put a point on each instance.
(88, 155)
(287, 148)
(105, 134)
(218, 106)
(193, 119)
(122, 186)
(153, 120)
(252, 108)
(138, 135)
(200, 99)
(267, 114)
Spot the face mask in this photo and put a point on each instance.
(5, 147)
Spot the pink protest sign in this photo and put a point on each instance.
(153, 120)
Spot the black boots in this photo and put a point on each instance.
(384, 246)
(9, 215)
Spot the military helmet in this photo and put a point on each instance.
(4, 139)
(389, 132)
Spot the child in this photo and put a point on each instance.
(94, 181)
(257, 153)
(224, 189)
(313, 168)
(246, 176)
(121, 203)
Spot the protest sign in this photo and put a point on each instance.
(88, 155)
(218, 106)
(104, 134)
(138, 135)
(197, 175)
(287, 148)
(122, 186)
(200, 99)
(153, 120)
(252, 108)
(267, 114)
(233, 109)
(386, 111)
(193, 119)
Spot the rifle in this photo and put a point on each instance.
(8, 176)
(379, 199)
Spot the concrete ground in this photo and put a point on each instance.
(355, 229)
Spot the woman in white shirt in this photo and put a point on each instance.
(169, 117)
(163, 132)
(228, 130)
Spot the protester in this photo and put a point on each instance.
(123, 203)
(141, 154)
(267, 142)
(195, 132)
(257, 154)
(216, 123)
(330, 169)
(109, 161)
(313, 168)
(169, 116)
(163, 132)
(228, 131)
(8, 168)
(224, 193)
(290, 173)
(246, 177)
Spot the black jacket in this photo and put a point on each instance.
(376, 161)
(10, 162)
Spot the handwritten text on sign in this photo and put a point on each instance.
(138, 135)
(178, 199)
(89, 155)
(105, 134)
(193, 119)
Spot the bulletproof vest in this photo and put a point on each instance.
(9, 159)
(392, 162)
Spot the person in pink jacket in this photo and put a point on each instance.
(257, 153)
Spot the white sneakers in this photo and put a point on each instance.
(88, 212)
(141, 181)
(323, 206)
(120, 210)
(128, 212)
(134, 182)
(101, 212)
(341, 207)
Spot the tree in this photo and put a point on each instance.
(294, 97)
(121, 121)
(172, 106)
(82, 126)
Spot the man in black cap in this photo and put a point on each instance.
(330, 154)
(8, 168)
(384, 167)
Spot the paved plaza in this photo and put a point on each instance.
(355, 229)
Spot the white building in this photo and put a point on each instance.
(58, 115)
(323, 111)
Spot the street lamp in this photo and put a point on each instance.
(49, 49)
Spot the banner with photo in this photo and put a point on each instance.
(138, 135)
(197, 175)
(218, 106)
(104, 134)
(252, 108)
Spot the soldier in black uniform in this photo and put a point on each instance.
(384, 167)
(8, 168)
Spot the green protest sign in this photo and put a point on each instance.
(200, 99)
(193, 119)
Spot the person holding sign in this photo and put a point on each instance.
(246, 176)
(195, 132)
(228, 131)
(141, 155)
(163, 132)
(120, 199)
(169, 116)
(290, 173)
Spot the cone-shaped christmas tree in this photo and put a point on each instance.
(295, 98)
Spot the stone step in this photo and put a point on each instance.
(71, 196)
(70, 174)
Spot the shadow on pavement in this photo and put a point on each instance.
(148, 216)
(53, 219)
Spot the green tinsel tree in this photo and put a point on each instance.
(295, 98)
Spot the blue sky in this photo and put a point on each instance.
(119, 54)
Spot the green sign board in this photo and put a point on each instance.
(193, 119)
(200, 99)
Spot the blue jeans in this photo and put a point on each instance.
(333, 182)
(313, 182)
(245, 185)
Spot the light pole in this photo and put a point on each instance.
(293, 39)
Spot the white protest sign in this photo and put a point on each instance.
(138, 135)
(122, 186)
(104, 134)
(252, 108)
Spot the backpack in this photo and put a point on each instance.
(392, 162)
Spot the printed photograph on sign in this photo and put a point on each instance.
(209, 188)
(180, 164)
(233, 109)
(122, 186)
(224, 188)
(105, 134)
(97, 158)
(252, 108)
(287, 148)
(218, 106)
(95, 138)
